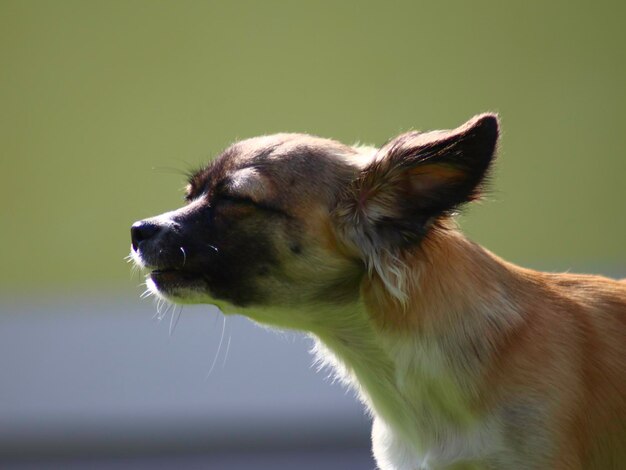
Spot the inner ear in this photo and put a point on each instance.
(428, 180)
(428, 177)
(444, 169)
(416, 178)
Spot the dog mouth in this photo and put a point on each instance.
(167, 280)
(174, 273)
(164, 270)
(175, 278)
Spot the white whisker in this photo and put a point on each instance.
(159, 306)
(227, 351)
(184, 255)
(219, 347)
(147, 293)
(167, 309)
(134, 268)
(174, 319)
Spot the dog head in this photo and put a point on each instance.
(292, 220)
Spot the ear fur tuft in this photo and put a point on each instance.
(414, 180)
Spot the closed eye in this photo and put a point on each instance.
(237, 199)
(246, 200)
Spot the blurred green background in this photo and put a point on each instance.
(100, 100)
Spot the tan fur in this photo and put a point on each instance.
(465, 361)
(564, 340)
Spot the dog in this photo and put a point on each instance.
(463, 359)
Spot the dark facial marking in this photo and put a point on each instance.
(204, 180)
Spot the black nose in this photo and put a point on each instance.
(141, 231)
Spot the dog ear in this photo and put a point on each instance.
(415, 179)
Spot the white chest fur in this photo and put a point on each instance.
(437, 396)
(471, 446)
(422, 417)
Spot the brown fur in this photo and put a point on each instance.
(568, 343)
(466, 360)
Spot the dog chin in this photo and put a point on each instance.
(182, 294)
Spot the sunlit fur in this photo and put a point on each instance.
(464, 361)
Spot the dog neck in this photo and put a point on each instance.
(451, 282)
(421, 362)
